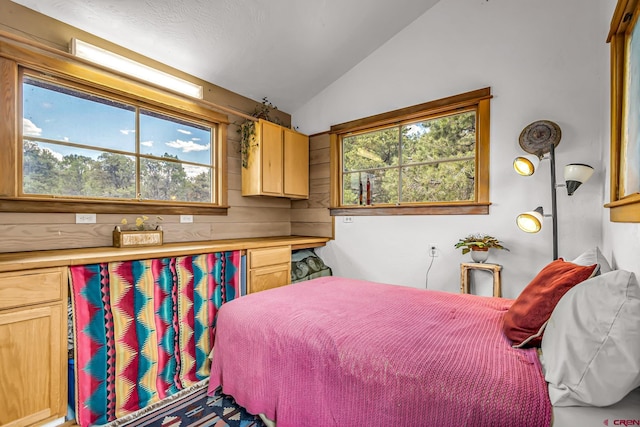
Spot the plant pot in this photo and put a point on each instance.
(479, 254)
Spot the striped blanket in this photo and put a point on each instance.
(143, 329)
(339, 352)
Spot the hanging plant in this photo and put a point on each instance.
(247, 129)
(247, 132)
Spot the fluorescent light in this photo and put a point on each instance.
(124, 65)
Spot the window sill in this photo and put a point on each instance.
(107, 206)
(625, 210)
(434, 209)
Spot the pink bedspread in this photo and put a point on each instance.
(340, 352)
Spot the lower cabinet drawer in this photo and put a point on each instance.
(23, 288)
(269, 256)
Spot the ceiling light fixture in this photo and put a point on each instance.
(130, 67)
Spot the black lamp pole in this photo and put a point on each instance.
(554, 209)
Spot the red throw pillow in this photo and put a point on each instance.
(525, 320)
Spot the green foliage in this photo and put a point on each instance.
(479, 241)
(111, 175)
(247, 129)
(434, 160)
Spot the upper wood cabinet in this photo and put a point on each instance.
(277, 163)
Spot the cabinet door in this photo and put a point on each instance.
(296, 164)
(271, 158)
(270, 277)
(32, 378)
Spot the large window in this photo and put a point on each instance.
(78, 138)
(431, 158)
(75, 143)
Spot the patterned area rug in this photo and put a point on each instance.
(196, 410)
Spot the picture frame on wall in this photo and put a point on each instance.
(624, 38)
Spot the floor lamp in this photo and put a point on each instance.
(540, 139)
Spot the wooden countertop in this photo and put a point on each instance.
(65, 257)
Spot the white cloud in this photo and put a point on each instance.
(195, 139)
(187, 146)
(66, 139)
(53, 153)
(147, 143)
(127, 131)
(29, 128)
(192, 171)
(186, 132)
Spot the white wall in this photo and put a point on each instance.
(543, 59)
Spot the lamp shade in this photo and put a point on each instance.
(576, 174)
(526, 165)
(530, 222)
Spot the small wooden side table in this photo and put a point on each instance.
(466, 267)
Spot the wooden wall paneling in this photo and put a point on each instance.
(321, 170)
(312, 215)
(250, 229)
(318, 229)
(320, 186)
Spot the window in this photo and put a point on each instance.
(78, 144)
(77, 138)
(430, 158)
(624, 36)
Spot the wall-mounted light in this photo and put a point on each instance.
(539, 139)
(124, 65)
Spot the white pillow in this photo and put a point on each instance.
(593, 256)
(591, 346)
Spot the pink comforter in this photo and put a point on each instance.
(340, 352)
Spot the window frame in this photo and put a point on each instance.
(622, 207)
(478, 100)
(17, 60)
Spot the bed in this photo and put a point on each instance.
(342, 352)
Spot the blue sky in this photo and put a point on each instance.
(62, 117)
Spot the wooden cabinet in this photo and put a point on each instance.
(268, 268)
(277, 163)
(33, 357)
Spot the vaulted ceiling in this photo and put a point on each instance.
(285, 50)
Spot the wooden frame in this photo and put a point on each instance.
(624, 202)
(478, 100)
(15, 54)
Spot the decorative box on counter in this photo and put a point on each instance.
(133, 238)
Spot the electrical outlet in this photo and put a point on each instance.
(186, 219)
(433, 250)
(85, 218)
(347, 219)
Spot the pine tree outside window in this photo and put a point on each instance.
(426, 159)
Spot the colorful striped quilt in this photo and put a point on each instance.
(143, 329)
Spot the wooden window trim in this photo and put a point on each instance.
(480, 99)
(15, 55)
(622, 208)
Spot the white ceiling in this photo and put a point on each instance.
(286, 50)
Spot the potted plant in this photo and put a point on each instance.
(479, 245)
